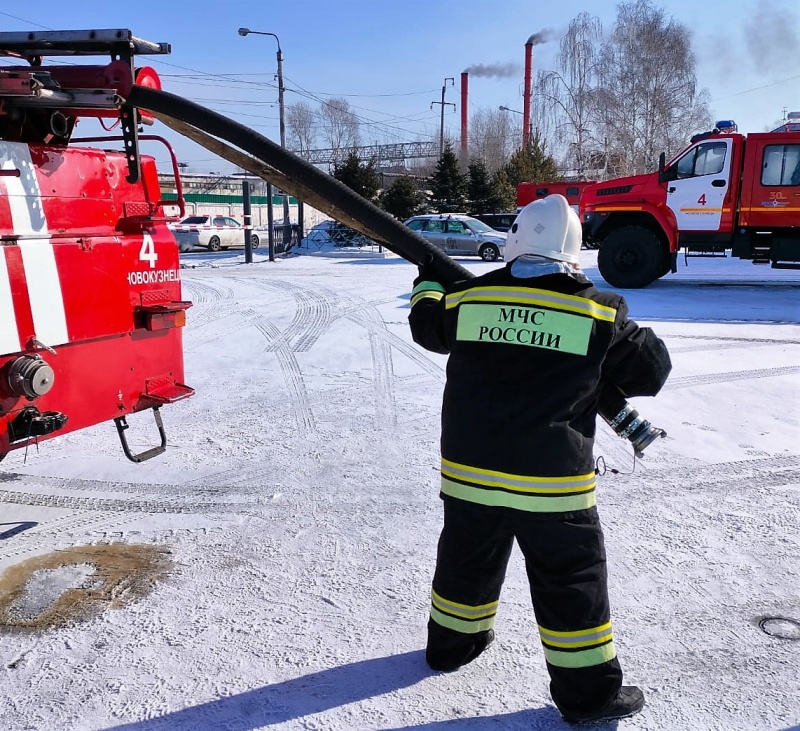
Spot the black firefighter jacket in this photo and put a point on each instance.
(527, 356)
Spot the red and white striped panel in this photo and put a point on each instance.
(22, 199)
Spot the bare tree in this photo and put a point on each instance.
(647, 99)
(340, 126)
(565, 95)
(492, 138)
(301, 125)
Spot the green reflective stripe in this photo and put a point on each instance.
(428, 286)
(461, 625)
(531, 503)
(534, 328)
(464, 610)
(580, 638)
(519, 483)
(581, 659)
(533, 298)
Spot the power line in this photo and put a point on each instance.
(756, 88)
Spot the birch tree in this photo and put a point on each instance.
(565, 95)
(340, 126)
(301, 124)
(647, 99)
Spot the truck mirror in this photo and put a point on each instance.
(662, 161)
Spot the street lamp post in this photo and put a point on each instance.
(287, 230)
(516, 111)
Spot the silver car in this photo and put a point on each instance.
(457, 234)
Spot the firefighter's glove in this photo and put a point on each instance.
(426, 271)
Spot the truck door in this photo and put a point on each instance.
(701, 182)
(774, 199)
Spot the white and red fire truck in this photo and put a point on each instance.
(726, 192)
(90, 292)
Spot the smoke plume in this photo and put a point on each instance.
(493, 70)
(542, 36)
(771, 37)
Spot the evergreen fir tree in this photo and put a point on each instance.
(532, 163)
(504, 195)
(479, 189)
(358, 176)
(401, 199)
(448, 185)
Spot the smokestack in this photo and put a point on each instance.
(464, 111)
(526, 94)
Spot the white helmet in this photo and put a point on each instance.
(546, 227)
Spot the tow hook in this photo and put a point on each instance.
(30, 422)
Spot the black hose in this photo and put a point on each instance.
(333, 197)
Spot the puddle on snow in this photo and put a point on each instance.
(75, 584)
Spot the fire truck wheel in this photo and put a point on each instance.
(631, 257)
(214, 244)
(255, 242)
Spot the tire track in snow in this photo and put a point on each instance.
(382, 368)
(215, 327)
(411, 351)
(727, 339)
(711, 347)
(778, 470)
(702, 380)
(206, 298)
(312, 316)
(59, 492)
(52, 534)
(290, 368)
(123, 506)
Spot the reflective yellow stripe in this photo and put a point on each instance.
(579, 638)
(463, 610)
(525, 484)
(530, 503)
(581, 659)
(426, 294)
(461, 625)
(525, 297)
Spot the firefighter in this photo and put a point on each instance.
(528, 345)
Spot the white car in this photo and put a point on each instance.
(213, 232)
(455, 233)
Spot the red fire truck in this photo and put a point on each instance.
(90, 293)
(726, 192)
(572, 190)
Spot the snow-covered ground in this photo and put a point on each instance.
(286, 540)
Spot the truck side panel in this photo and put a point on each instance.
(771, 188)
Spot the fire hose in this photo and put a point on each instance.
(262, 157)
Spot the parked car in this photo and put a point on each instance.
(213, 232)
(456, 233)
(497, 221)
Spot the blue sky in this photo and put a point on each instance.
(390, 59)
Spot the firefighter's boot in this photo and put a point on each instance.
(628, 702)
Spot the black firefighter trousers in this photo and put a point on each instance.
(565, 561)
